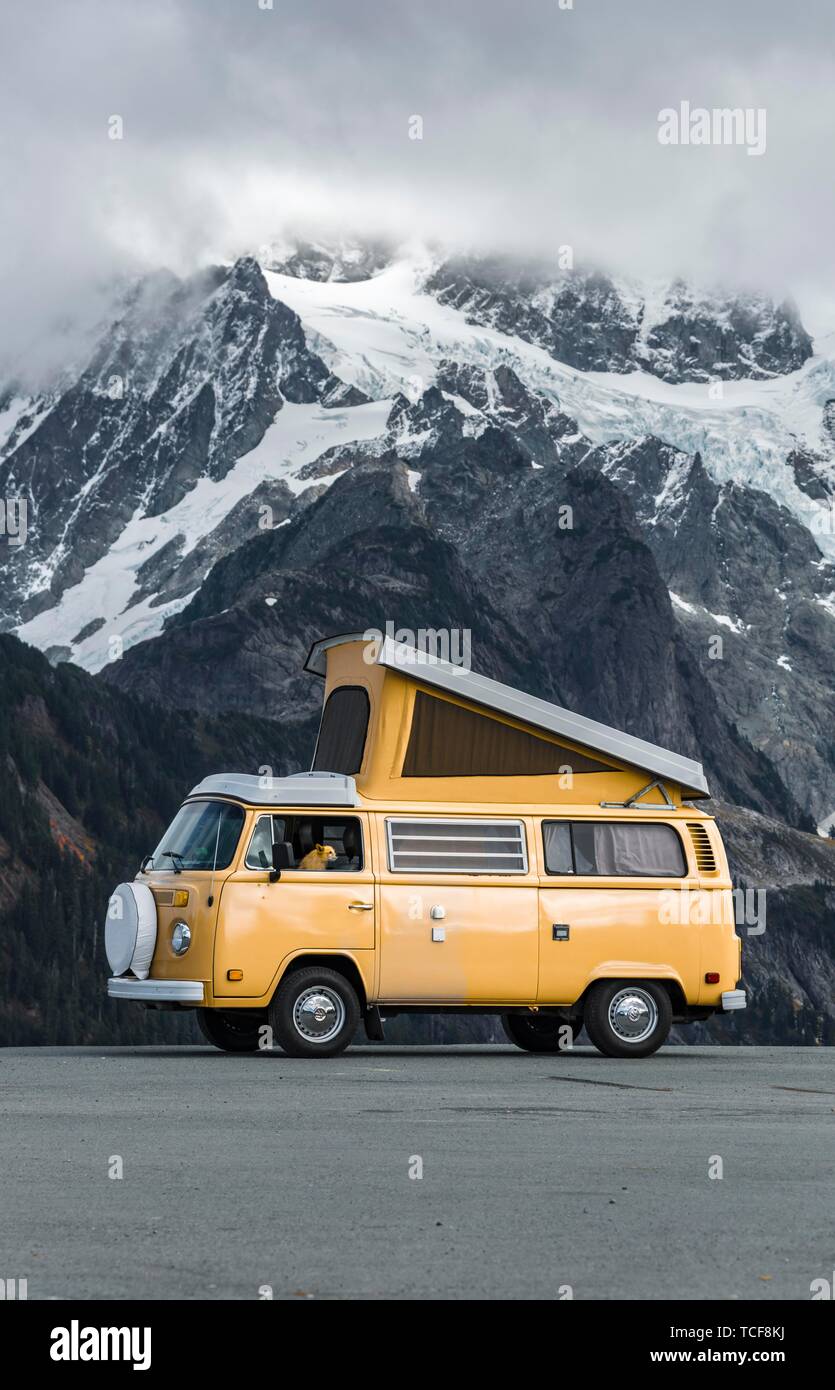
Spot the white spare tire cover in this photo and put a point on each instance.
(130, 933)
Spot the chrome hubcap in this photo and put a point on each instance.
(318, 1014)
(633, 1015)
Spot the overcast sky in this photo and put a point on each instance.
(540, 129)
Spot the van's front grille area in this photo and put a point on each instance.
(457, 847)
(702, 848)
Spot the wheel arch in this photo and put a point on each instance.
(333, 960)
(671, 983)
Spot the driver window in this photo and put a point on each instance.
(260, 852)
(314, 843)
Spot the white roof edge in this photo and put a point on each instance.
(541, 714)
(317, 661)
(297, 789)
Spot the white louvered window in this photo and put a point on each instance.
(457, 846)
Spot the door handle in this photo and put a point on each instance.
(360, 907)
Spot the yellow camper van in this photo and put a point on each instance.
(458, 846)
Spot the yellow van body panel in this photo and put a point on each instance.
(498, 945)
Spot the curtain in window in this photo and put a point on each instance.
(612, 848)
(652, 850)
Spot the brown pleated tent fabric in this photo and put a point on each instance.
(448, 740)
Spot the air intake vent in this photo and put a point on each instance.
(703, 849)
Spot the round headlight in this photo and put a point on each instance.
(180, 938)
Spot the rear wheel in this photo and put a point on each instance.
(628, 1020)
(314, 1013)
(231, 1030)
(540, 1033)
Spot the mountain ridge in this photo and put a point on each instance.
(326, 364)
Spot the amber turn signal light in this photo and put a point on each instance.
(712, 977)
(180, 897)
(239, 974)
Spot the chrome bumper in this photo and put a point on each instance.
(156, 991)
(734, 999)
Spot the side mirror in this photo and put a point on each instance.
(281, 859)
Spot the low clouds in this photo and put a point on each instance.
(539, 129)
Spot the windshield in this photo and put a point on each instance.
(203, 835)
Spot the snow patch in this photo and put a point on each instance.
(735, 624)
(681, 603)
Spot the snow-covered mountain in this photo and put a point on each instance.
(334, 436)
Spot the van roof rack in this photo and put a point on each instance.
(297, 789)
(632, 803)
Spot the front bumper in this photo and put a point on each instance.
(156, 991)
(734, 999)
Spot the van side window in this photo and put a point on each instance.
(302, 835)
(612, 848)
(556, 837)
(457, 846)
(342, 732)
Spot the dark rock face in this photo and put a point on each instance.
(810, 472)
(181, 387)
(747, 573)
(588, 321)
(579, 615)
(579, 320)
(360, 554)
(347, 262)
(748, 337)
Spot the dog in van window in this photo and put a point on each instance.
(319, 857)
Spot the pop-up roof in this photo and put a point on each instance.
(409, 717)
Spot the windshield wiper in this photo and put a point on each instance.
(173, 856)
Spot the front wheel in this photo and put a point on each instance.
(232, 1030)
(314, 1013)
(541, 1033)
(628, 1020)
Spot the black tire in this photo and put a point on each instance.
(299, 1001)
(539, 1033)
(649, 1017)
(232, 1030)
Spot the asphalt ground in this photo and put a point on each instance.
(417, 1172)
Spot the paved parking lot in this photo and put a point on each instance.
(538, 1173)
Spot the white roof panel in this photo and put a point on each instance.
(299, 789)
